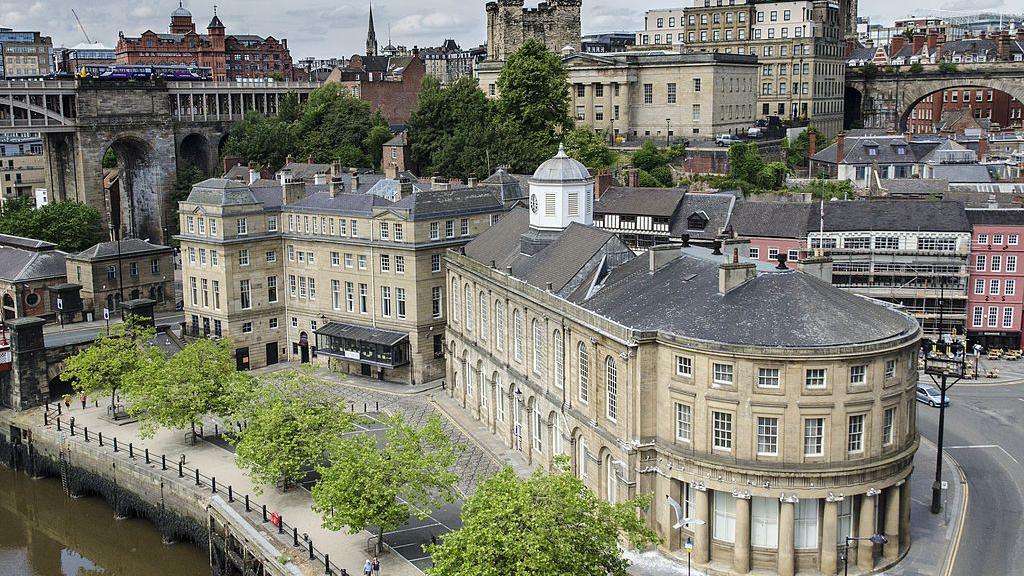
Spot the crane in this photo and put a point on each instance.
(84, 33)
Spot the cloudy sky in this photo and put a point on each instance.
(338, 27)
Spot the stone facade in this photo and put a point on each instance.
(146, 271)
(657, 96)
(556, 23)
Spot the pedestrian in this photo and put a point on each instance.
(367, 568)
(83, 401)
(376, 566)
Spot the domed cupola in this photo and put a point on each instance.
(561, 192)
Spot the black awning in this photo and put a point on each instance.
(362, 333)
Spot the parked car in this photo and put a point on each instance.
(755, 132)
(727, 140)
(930, 395)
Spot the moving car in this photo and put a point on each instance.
(930, 395)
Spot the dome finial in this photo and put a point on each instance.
(561, 151)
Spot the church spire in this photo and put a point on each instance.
(371, 36)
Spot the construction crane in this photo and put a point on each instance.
(82, 28)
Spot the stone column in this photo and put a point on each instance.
(787, 544)
(741, 542)
(673, 488)
(829, 536)
(866, 528)
(891, 550)
(905, 515)
(701, 533)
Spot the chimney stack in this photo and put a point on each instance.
(354, 176)
(733, 274)
(982, 148)
(602, 182)
(471, 181)
(919, 41)
(896, 44)
(812, 149)
(391, 171)
(840, 147)
(819, 265)
(632, 177)
(933, 42)
(285, 175)
(320, 179)
(659, 256)
(439, 183)
(292, 191)
(1003, 42)
(404, 188)
(254, 174)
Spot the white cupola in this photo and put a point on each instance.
(561, 192)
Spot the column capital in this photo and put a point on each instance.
(834, 497)
(700, 487)
(790, 499)
(741, 494)
(873, 492)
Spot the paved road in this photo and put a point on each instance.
(984, 434)
(86, 332)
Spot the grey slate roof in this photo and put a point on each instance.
(914, 186)
(221, 192)
(896, 215)
(658, 202)
(510, 187)
(776, 309)
(774, 219)
(129, 246)
(23, 265)
(306, 170)
(962, 173)
(27, 243)
(353, 204)
(456, 200)
(855, 149)
(717, 207)
(362, 333)
(999, 217)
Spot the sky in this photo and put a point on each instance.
(330, 28)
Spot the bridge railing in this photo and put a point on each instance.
(244, 86)
(34, 85)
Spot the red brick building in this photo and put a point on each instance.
(995, 302)
(231, 57)
(390, 84)
(993, 107)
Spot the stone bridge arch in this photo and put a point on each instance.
(912, 95)
(146, 174)
(200, 146)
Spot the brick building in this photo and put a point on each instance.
(390, 84)
(992, 108)
(230, 56)
(996, 293)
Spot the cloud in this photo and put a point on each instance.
(418, 24)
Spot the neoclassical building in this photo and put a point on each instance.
(774, 408)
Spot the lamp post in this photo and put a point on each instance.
(668, 130)
(120, 279)
(689, 552)
(874, 538)
(681, 522)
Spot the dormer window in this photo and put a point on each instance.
(901, 150)
(697, 221)
(872, 151)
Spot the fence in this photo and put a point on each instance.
(286, 534)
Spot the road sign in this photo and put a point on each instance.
(945, 485)
(60, 303)
(106, 314)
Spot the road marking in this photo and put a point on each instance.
(415, 528)
(996, 446)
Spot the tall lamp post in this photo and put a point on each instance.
(682, 522)
(874, 538)
(668, 130)
(944, 363)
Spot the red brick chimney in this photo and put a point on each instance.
(919, 40)
(840, 147)
(1003, 46)
(812, 149)
(896, 44)
(602, 182)
(933, 42)
(982, 148)
(1020, 34)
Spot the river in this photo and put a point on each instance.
(45, 533)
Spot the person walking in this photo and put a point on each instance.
(83, 401)
(376, 566)
(367, 568)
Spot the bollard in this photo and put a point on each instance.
(197, 478)
(131, 450)
(364, 408)
(231, 494)
(58, 423)
(246, 502)
(327, 562)
(216, 430)
(46, 419)
(163, 462)
(214, 483)
(295, 537)
(264, 512)
(280, 523)
(86, 433)
(101, 439)
(311, 553)
(147, 455)
(58, 410)
(376, 406)
(72, 425)
(115, 443)
(181, 473)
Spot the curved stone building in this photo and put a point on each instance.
(774, 409)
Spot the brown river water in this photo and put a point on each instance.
(45, 533)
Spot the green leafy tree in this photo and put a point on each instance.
(375, 140)
(649, 156)
(798, 150)
(548, 524)
(289, 109)
(261, 139)
(947, 67)
(450, 129)
(71, 225)
(916, 68)
(334, 125)
(110, 158)
(772, 176)
(533, 106)
(178, 392)
(745, 162)
(870, 70)
(366, 486)
(290, 421)
(111, 362)
(589, 147)
(664, 176)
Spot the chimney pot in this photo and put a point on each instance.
(782, 257)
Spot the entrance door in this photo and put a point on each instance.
(271, 353)
(304, 347)
(365, 370)
(242, 359)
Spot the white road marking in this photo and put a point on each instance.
(998, 447)
(414, 528)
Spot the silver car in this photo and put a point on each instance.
(930, 395)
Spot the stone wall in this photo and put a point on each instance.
(556, 23)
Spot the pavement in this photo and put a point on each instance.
(56, 335)
(984, 435)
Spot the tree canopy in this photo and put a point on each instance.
(589, 147)
(71, 225)
(450, 129)
(112, 361)
(365, 486)
(550, 524)
(290, 421)
(331, 125)
(655, 164)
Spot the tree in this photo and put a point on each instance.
(947, 67)
(111, 362)
(449, 131)
(745, 162)
(772, 176)
(110, 158)
(649, 156)
(916, 68)
(532, 108)
(71, 225)
(798, 150)
(261, 139)
(589, 147)
(365, 486)
(374, 144)
(289, 109)
(334, 125)
(178, 392)
(548, 524)
(290, 421)
(870, 70)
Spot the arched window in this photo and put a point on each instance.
(455, 300)
(556, 344)
(538, 430)
(484, 327)
(609, 465)
(517, 335)
(581, 458)
(499, 325)
(499, 404)
(469, 309)
(612, 388)
(584, 360)
(482, 383)
(538, 344)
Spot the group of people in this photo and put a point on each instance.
(371, 568)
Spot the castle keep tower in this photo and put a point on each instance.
(556, 23)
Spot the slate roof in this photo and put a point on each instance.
(306, 170)
(717, 207)
(353, 204)
(238, 172)
(914, 186)
(896, 215)
(27, 264)
(962, 173)
(999, 217)
(775, 309)
(510, 187)
(456, 200)
(774, 219)
(855, 150)
(129, 246)
(362, 333)
(22, 242)
(221, 192)
(658, 202)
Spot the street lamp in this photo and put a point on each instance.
(682, 522)
(874, 538)
(943, 360)
(668, 130)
